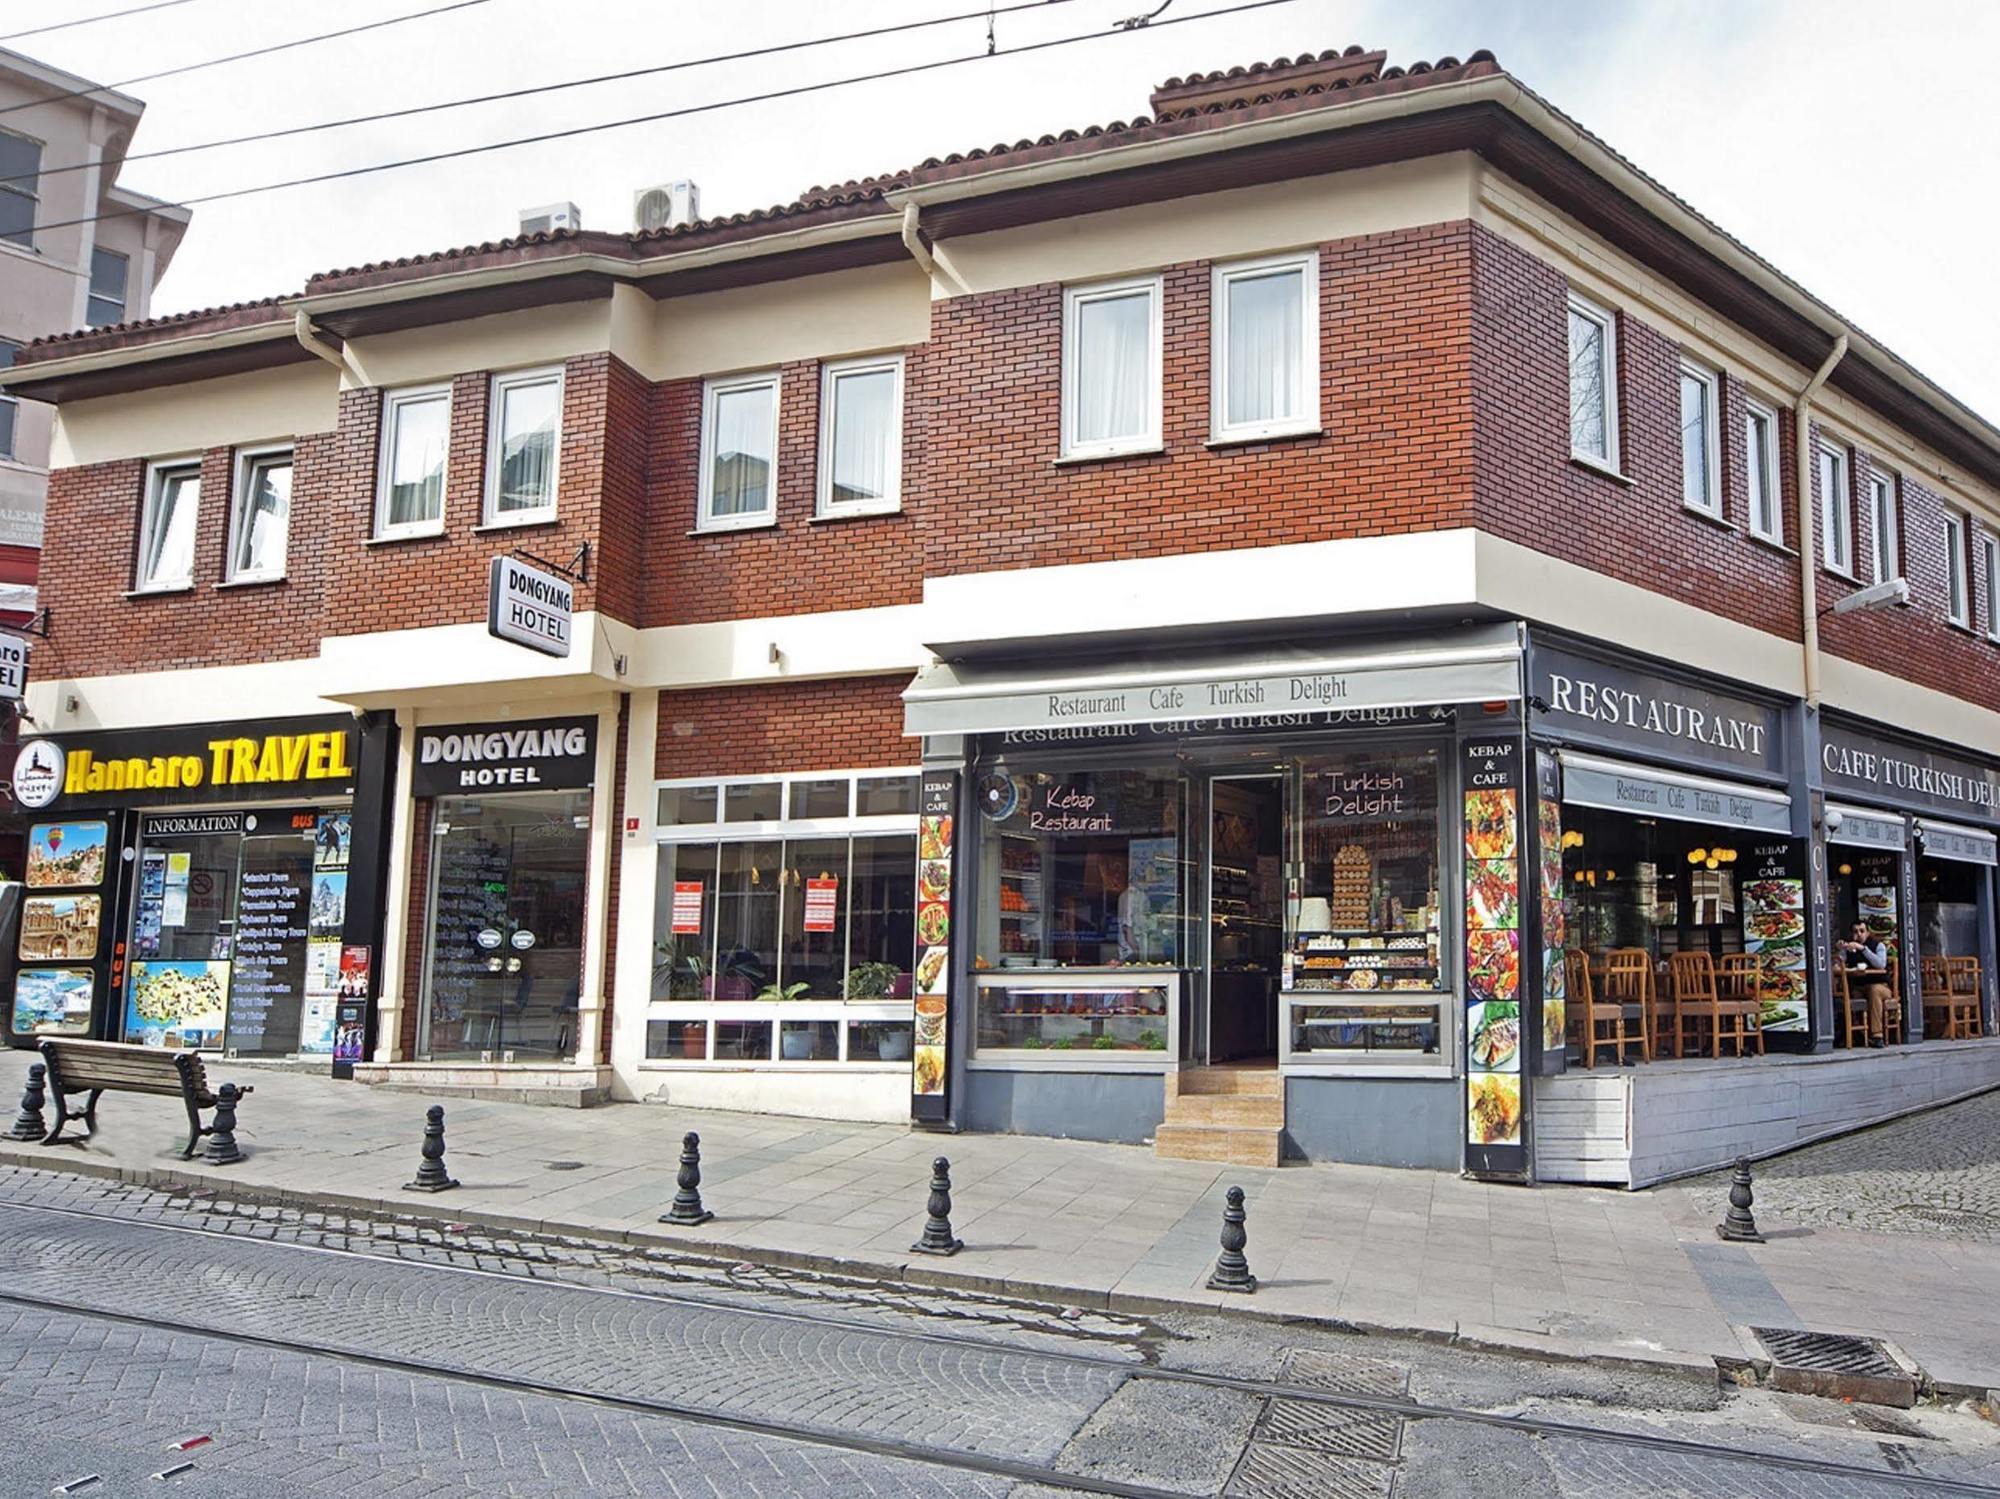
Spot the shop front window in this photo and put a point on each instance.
(508, 893)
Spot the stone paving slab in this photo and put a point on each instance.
(1559, 1271)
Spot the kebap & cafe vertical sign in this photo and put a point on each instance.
(1496, 1011)
(936, 857)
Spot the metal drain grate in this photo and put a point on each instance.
(1976, 1220)
(1837, 1364)
(1316, 1369)
(1287, 1473)
(1319, 1428)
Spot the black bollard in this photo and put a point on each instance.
(222, 1150)
(29, 1124)
(1737, 1226)
(1232, 1270)
(687, 1208)
(431, 1175)
(937, 1237)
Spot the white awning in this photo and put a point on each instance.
(1647, 791)
(1947, 840)
(1469, 666)
(1861, 827)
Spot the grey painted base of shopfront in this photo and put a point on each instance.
(1635, 1126)
(1122, 1107)
(1375, 1121)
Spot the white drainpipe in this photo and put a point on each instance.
(1802, 453)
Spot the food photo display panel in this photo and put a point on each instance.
(1494, 1097)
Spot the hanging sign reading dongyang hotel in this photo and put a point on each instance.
(529, 607)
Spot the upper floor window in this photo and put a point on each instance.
(739, 452)
(1836, 511)
(109, 272)
(1760, 449)
(1701, 462)
(10, 408)
(1111, 368)
(1593, 383)
(523, 423)
(1883, 532)
(1957, 586)
(20, 165)
(260, 515)
(166, 527)
(861, 436)
(1265, 347)
(1990, 552)
(416, 435)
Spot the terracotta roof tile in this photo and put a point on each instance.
(205, 319)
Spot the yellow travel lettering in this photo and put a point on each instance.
(218, 753)
(76, 774)
(242, 761)
(293, 748)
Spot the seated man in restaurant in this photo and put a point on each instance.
(1866, 959)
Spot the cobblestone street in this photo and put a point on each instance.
(357, 1355)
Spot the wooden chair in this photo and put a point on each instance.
(1628, 984)
(1691, 980)
(1947, 1007)
(1892, 1012)
(1739, 989)
(1591, 1013)
(1851, 1008)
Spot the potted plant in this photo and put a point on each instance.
(871, 980)
(780, 993)
(682, 977)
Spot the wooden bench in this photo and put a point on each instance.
(100, 1067)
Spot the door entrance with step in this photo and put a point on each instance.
(1233, 1114)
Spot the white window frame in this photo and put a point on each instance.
(239, 497)
(11, 403)
(1148, 439)
(91, 294)
(1710, 504)
(711, 391)
(496, 396)
(1308, 420)
(392, 402)
(1958, 562)
(156, 474)
(30, 189)
(829, 375)
(1831, 498)
(1607, 321)
(1989, 551)
(1755, 411)
(1887, 549)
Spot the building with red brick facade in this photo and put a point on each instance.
(1334, 619)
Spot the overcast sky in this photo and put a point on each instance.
(1851, 142)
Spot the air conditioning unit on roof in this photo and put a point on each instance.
(548, 219)
(668, 206)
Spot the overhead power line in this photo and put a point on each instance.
(668, 114)
(109, 15)
(550, 88)
(216, 62)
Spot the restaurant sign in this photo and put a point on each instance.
(547, 754)
(1966, 845)
(1593, 701)
(1859, 828)
(189, 764)
(1908, 775)
(1645, 792)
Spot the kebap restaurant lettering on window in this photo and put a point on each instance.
(191, 886)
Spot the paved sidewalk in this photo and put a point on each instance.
(1563, 1271)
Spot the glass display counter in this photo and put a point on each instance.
(1124, 1016)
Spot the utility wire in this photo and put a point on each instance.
(665, 114)
(216, 62)
(543, 88)
(109, 15)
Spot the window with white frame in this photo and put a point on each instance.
(416, 438)
(166, 527)
(10, 408)
(1883, 532)
(785, 918)
(861, 436)
(1593, 383)
(1701, 457)
(1760, 450)
(1264, 353)
(523, 435)
(1111, 368)
(1989, 550)
(1957, 586)
(739, 452)
(1836, 511)
(109, 273)
(260, 515)
(20, 166)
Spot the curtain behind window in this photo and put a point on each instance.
(527, 448)
(1266, 333)
(416, 465)
(260, 543)
(863, 409)
(741, 481)
(169, 556)
(1114, 372)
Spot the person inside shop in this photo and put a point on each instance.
(1865, 956)
(1134, 910)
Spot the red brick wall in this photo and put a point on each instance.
(850, 723)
